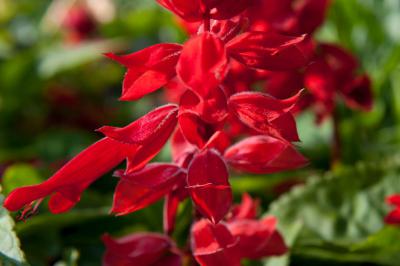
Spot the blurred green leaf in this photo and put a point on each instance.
(338, 209)
(19, 175)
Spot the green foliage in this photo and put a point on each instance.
(10, 252)
(338, 212)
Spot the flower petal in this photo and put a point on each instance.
(358, 93)
(266, 114)
(271, 51)
(247, 209)
(255, 237)
(148, 69)
(146, 128)
(209, 186)
(137, 190)
(264, 154)
(212, 245)
(203, 63)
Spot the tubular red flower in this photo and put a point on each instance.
(249, 155)
(141, 249)
(139, 189)
(148, 69)
(209, 186)
(269, 50)
(67, 184)
(203, 63)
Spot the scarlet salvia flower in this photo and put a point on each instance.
(216, 123)
(240, 236)
(394, 216)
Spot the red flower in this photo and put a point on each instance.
(197, 10)
(394, 216)
(203, 62)
(66, 185)
(242, 236)
(141, 249)
(288, 16)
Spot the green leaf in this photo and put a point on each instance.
(10, 252)
(338, 210)
(19, 175)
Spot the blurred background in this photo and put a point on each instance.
(56, 88)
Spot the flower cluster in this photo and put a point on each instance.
(216, 120)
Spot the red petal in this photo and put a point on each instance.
(209, 186)
(137, 249)
(266, 114)
(203, 63)
(393, 200)
(137, 190)
(171, 205)
(212, 244)
(254, 237)
(147, 152)
(148, 69)
(247, 209)
(182, 151)
(270, 50)
(146, 128)
(226, 9)
(264, 154)
(69, 182)
(358, 93)
(393, 217)
(188, 10)
(212, 109)
(195, 130)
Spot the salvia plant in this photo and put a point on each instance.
(234, 89)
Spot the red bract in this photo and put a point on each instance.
(148, 69)
(209, 186)
(394, 216)
(197, 10)
(250, 155)
(141, 249)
